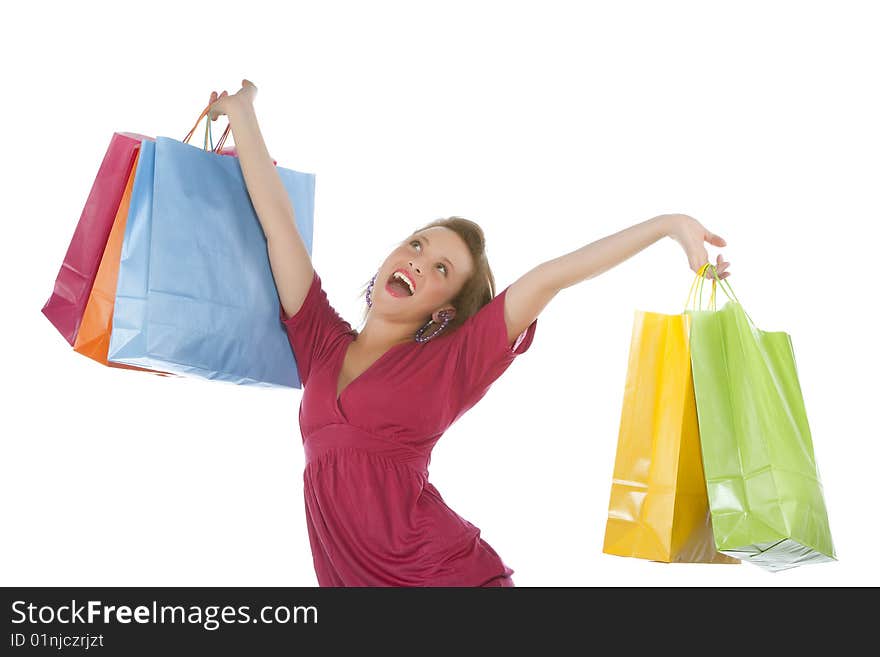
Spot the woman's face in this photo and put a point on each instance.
(438, 263)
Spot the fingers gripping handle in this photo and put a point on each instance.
(208, 132)
(715, 279)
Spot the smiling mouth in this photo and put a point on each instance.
(397, 287)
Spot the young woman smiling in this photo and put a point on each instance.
(376, 401)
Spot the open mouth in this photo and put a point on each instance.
(398, 285)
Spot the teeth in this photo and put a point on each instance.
(397, 274)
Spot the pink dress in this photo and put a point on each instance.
(373, 517)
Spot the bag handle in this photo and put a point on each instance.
(701, 277)
(208, 132)
(222, 137)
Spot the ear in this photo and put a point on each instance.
(437, 316)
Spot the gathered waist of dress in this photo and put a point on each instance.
(335, 436)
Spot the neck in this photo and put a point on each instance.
(380, 335)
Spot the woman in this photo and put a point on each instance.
(375, 401)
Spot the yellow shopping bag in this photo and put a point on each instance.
(659, 508)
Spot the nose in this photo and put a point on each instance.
(415, 267)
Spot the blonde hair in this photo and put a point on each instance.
(477, 290)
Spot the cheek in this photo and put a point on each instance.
(434, 295)
(397, 256)
(390, 262)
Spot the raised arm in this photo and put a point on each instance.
(529, 294)
(291, 265)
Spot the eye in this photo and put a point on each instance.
(445, 271)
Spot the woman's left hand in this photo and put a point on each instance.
(691, 234)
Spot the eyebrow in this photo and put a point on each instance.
(428, 242)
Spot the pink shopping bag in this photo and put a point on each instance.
(73, 284)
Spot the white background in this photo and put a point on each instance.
(552, 124)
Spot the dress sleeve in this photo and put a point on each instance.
(314, 329)
(483, 351)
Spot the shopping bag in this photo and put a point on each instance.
(658, 508)
(93, 337)
(195, 293)
(65, 306)
(765, 493)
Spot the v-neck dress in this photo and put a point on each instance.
(373, 517)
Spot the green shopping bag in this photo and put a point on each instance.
(765, 495)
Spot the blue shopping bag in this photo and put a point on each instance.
(195, 294)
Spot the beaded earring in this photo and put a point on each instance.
(445, 318)
(370, 289)
(444, 315)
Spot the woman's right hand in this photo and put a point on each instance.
(222, 104)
